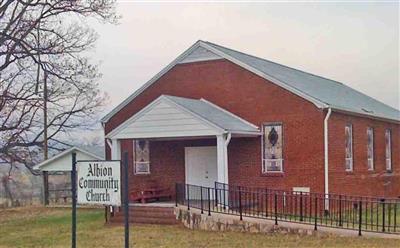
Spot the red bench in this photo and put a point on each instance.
(153, 192)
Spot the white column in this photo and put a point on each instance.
(222, 167)
(222, 159)
(115, 155)
(116, 149)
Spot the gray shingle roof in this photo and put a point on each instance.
(214, 114)
(334, 94)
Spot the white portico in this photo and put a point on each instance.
(177, 118)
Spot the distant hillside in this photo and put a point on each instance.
(21, 188)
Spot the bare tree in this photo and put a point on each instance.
(47, 39)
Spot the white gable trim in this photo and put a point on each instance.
(114, 133)
(181, 57)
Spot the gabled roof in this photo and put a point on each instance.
(173, 117)
(332, 93)
(322, 92)
(58, 160)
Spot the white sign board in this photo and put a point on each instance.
(99, 182)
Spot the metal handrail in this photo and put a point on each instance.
(346, 212)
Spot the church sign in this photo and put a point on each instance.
(99, 182)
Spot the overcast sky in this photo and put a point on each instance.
(354, 43)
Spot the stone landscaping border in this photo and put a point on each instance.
(193, 219)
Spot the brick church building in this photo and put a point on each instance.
(216, 114)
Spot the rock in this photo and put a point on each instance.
(254, 228)
(265, 228)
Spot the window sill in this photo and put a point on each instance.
(142, 174)
(273, 174)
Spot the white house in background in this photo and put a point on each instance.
(63, 160)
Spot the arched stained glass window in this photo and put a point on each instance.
(349, 147)
(370, 148)
(141, 153)
(272, 148)
(388, 150)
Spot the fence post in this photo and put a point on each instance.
(383, 215)
(209, 201)
(188, 197)
(224, 188)
(301, 206)
(340, 210)
(395, 216)
(240, 204)
(201, 199)
(315, 213)
(266, 203)
(106, 214)
(276, 208)
(359, 218)
(176, 194)
(216, 193)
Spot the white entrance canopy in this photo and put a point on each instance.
(171, 117)
(63, 160)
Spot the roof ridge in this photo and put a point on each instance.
(288, 80)
(269, 61)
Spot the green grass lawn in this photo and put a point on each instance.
(51, 227)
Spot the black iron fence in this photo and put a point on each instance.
(339, 211)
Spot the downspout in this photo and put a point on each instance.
(326, 163)
(109, 143)
(228, 139)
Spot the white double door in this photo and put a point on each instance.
(201, 166)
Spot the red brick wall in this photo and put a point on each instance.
(361, 181)
(258, 101)
(227, 85)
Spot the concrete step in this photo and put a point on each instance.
(147, 215)
(151, 209)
